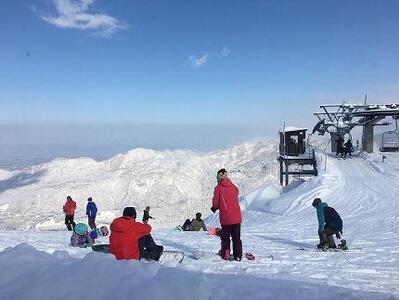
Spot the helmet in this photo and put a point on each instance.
(80, 229)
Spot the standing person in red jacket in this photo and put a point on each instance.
(225, 199)
(132, 240)
(69, 210)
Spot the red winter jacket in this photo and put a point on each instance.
(125, 233)
(69, 207)
(225, 198)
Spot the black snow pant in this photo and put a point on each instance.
(233, 231)
(69, 222)
(327, 237)
(148, 249)
(92, 223)
(340, 151)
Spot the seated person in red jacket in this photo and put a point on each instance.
(132, 240)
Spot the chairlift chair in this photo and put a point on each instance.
(390, 144)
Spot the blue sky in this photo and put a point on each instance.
(258, 62)
(249, 65)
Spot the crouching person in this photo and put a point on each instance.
(81, 236)
(330, 223)
(132, 240)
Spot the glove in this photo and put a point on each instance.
(338, 235)
(213, 209)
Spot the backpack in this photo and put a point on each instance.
(333, 220)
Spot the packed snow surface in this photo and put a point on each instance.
(277, 223)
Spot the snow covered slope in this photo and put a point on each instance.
(364, 190)
(176, 184)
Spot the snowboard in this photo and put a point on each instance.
(167, 255)
(341, 247)
(172, 256)
(247, 256)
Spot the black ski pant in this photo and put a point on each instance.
(233, 231)
(148, 249)
(69, 222)
(92, 223)
(327, 237)
(340, 151)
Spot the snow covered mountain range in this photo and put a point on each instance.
(176, 184)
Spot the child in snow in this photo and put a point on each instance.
(82, 238)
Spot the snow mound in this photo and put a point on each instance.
(33, 274)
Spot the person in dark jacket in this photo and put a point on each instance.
(146, 214)
(69, 210)
(91, 212)
(225, 199)
(348, 147)
(340, 148)
(132, 240)
(330, 223)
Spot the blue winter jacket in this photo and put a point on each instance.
(91, 209)
(320, 215)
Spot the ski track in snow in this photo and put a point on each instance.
(363, 191)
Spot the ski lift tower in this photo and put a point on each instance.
(293, 151)
(340, 119)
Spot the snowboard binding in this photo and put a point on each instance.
(342, 245)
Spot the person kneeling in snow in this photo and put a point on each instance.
(81, 237)
(132, 240)
(330, 223)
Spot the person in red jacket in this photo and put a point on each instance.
(225, 199)
(132, 240)
(69, 210)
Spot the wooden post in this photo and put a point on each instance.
(286, 173)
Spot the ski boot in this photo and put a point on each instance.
(323, 247)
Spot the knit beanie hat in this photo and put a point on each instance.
(316, 202)
(222, 174)
(129, 211)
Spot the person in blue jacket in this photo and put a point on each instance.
(330, 223)
(91, 212)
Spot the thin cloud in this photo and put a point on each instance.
(225, 52)
(199, 61)
(76, 14)
(203, 59)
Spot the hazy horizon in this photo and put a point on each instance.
(26, 145)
